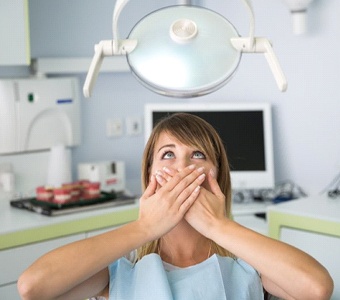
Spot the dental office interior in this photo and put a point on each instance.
(305, 122)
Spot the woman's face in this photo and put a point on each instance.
(170, 152)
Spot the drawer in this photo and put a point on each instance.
(15, 260)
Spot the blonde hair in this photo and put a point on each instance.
(193, 131)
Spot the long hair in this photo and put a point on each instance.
(193, 131)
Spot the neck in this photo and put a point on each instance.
(184, 246)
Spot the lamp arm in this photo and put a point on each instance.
(120, 4)
(249, 42)
(108, 48)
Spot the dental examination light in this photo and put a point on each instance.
(182, 51)
(298, 10)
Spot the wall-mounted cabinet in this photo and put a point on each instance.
(14, 33)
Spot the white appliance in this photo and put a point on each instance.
(38, 113)
(110, 174)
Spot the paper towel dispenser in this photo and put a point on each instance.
(38, 113)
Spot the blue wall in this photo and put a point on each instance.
(306, 118)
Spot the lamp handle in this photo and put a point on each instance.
(107, 48)
(93, 72)
(262, 45)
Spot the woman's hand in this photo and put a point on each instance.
(163, 206)
(209, 207)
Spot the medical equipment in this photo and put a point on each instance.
(38, 113)
(298, 10)
(182, 51)
(110, 174)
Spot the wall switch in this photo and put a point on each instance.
(134, 125)
(114, 127)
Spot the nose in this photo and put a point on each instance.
(182, 163)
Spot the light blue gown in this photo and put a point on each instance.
(217, 278)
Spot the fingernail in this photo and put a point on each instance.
(191, 167)
(200, 170)
(201, 177)
(159, 178)
(158, 172)
(197, 189)
(166, 169)
(212, 173)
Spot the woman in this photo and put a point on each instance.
(188, 247)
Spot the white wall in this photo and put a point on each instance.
(306, 118)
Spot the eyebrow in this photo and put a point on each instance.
(165, 146)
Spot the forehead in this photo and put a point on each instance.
(166, 138)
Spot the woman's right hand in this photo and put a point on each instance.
(162, 208)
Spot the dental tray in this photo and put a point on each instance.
(54, 209)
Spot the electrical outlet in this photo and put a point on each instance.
(114, 127)
(134, 125)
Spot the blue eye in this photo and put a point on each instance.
(198, 154)
(168, 155)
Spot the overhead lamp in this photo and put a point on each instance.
(183, 51)
(298, 10)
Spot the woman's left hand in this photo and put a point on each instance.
(209, 208)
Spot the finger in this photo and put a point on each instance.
(190, 200)
(170, 171)
(213, 184)
(190, 190)
(162, 178)
(182, 178)
(165, 175)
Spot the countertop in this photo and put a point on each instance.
(318, 207)
(320, 214)
(20, 227)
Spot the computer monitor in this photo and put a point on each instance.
(246, 131)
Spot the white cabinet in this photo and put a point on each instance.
(15, 260)
(324, 248)
(25, 236)
(313, 225)
(14, 33)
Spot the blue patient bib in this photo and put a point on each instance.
(217, 278)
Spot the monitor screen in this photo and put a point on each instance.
(245, 129)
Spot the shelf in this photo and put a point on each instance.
(72, 65)
(251, 208)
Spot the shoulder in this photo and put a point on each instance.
(237, 268)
